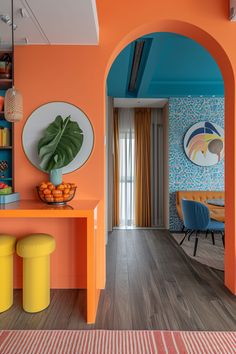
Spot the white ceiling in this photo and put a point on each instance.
(140, 102)
(51, 22)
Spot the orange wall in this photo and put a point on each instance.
(77, 74)
(68, 265)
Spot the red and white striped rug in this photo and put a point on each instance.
(116, 342)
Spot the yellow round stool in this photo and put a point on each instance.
(35, 250)
(7, 248)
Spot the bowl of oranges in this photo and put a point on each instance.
(56, 195)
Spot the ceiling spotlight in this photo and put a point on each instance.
(23, 13)
(7, 19)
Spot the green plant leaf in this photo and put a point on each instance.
(60, 144)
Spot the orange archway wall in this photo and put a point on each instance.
(77, 74)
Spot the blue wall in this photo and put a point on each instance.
(172, 66)
(183, 174)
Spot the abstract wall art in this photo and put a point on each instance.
(204, 143)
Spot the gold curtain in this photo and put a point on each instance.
(142, 125)
(116, 173)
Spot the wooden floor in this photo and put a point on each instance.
(151, 284)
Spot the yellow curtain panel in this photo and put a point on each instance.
(116, 173)
(142, 124)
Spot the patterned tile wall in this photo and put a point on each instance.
(183, 174)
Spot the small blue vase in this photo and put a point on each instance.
(55, 176)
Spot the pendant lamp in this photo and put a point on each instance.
(13, 103)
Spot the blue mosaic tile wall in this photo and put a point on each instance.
(183, 174)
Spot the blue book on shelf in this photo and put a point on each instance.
(9, 198)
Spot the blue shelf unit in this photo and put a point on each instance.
(6, 152)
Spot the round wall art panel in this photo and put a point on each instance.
(204, 143)
(39, 120)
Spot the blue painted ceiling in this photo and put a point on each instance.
(171, 65)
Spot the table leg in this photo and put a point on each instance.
(92, 292)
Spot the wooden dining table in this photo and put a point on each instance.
(217, 213)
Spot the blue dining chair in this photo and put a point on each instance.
(196, 217)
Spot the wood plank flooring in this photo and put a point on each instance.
(151, 284)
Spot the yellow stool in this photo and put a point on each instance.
(35, 250)
(7, 248)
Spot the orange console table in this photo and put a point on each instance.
(86, 210)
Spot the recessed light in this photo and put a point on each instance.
(24, 13)
(7, 19)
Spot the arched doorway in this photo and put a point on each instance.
(220, 56)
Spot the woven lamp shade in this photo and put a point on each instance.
(13, 105)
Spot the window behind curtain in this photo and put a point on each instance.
(127, 168)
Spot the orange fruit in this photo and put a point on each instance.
(66, 191)
(51, 187)
(58, 199)
(61, 187)
(66, 196)
(49, 198)
(42, 186)
(57, 193)
(46, 191)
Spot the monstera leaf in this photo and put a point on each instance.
(60, 144)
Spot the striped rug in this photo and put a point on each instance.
(114, 342)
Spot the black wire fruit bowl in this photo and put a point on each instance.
(59, 195)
